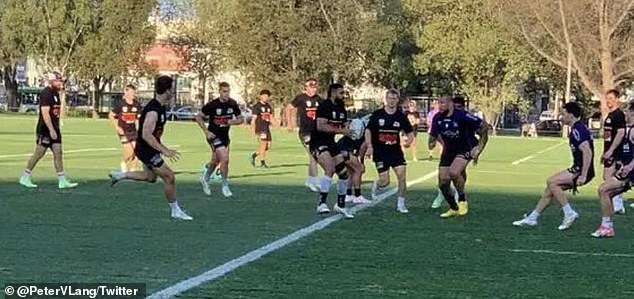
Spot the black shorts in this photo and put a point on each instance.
(383, 163)
(150, 157)
(576, 171)
(304, 138)
(317, 149)
(265, 135)
(218, 142)
(447, 157)
(347, 147)
(612, 161)
(45, 140)
(128, 137)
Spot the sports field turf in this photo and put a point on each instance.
(96, 233)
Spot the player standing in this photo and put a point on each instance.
(306, 104)
(149, 148)
(382, 137)
(223, 112)
(48, 134)
(263, 114)
(124, 116)
(455, 128)
(613, 133)
(352, 153)
(413, 116)
(581, 172)
(331, 120)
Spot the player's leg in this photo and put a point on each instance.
(127, 156)
(609, 171)
(150, 160)
(327, 163)
(342, 185)
(558, 184)
(531, 218)
(38, 153)
(356, 174)
(401, 172)
(412, 148)
(313, 181)
(134, 162)
(444, 184)
(383, 180)
(457, 168)
(607, 190)
(58, 162)
(169, 180)
(222, 154)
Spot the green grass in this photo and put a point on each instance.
(123, 234)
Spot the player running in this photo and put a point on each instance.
(613, 133)
(222, 112)
(620, 182)
(124, 116)
(581, 172)
(413, 116)
(331, 120)
(263, 115)
(383, 140)
(306, 104)
(455, 128)
(48, 134)
(149, 148)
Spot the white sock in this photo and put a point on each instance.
(324, 184)
(342, 187)
(174, 206)
(606, 221)
(26, 173)
(401, 201)
(568, 211)
(61, 176)
(617, 202)
(534, 215)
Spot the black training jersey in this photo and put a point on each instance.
(219, 114)
(127, 115)
(264, 111)
(336, 114)
(578, 135)
(306, 111)
(49, 98)
(152, 106)
(457, 130)
(413, 118)
(612, 123)
(385, 130)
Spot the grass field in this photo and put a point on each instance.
(96, 233)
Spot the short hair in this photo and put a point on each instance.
(223, 84)
(393, 91)
(334, 86)
(615, 92)
(309, 80)
(163, 84)
(130, 86)
(458, 100)
(266, 92)
(573, 108)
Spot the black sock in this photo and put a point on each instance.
(462, 197)
(446, 192)
(254, 155)
(341, 200)
(262, 163)
(323, 197)
(349, 191)
(357, 192)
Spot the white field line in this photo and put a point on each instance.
(516, 162)
(254, 255)
(85, 150)
(541, 251)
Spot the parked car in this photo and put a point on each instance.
(551, 127)
(546, 115)
(182, 113)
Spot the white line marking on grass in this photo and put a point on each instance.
(571, 253)
(86, 150)
(254, 255)
(516, 162)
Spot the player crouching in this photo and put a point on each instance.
(384, 145)
(581, 172)
(351, 155)
(620, 182)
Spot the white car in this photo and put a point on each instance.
(182, 113)
(546, 115)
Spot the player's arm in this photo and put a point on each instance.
(47, 118)
(148, 132)
(238, 118)
(324, 126)
(368, 142)
(409, 132)
(290, 111)
(618, 138)
(112, 116)
(253, 120)
(483, 132)
(200, 120)
(362, 150)
(587, 158)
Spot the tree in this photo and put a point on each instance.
(114, 42)
(461, 39)
(598, 33)
(12, 50)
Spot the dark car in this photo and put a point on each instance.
(550, 127)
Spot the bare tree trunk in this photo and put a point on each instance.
(11, 86)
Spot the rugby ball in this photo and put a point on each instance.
(357, 127)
